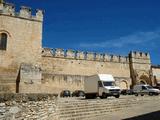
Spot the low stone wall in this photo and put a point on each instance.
(27, 106)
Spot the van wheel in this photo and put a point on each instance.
(136, 94)
(156, 94)
(103, 96)
(150, 93)
(94, 96)
(87, 96)
(142, 94)
(117, 96)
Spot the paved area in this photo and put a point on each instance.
(144, 111)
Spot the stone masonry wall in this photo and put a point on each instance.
(140, 66)
(28, 106)
(68, 69)
(59, 62)
(24, 39)
(24, 42)
(55, 83)
(156, 73)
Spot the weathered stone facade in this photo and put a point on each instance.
(140, 65)
(24, 37)
(25, 67)
(75, 63)
(156, 74)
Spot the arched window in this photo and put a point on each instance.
(3, 41)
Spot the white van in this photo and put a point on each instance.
(145, 89)
(101, 85)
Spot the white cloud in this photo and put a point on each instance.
(138, 38)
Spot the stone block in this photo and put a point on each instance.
(115, 58)
(9, 9)
(90, 56)
(59, 53)
(70, 54)
(25, 12)
(39, 14)
(47, 52)
(80, 55)
(99, 57)
(107, 57)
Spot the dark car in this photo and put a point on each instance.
(127, 92)
(130, 92)
(78, 93)
(124, 92)
(65, 93)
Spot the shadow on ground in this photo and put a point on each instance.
(149, 116)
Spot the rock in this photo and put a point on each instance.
(14, 110)
(51, 110)
(2, 110)
(8, 103)
(2, 104)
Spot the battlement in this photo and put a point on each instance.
(47, 52)
(81, 55)
(25, 12)
(99, 57)
(70, 54)
(140, 55)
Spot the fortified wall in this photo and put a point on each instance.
(26, 67)
(58, 64)
(156, 73)
(140, 67)
(20, 44)
(70, 65)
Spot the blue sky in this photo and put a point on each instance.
(105, 26)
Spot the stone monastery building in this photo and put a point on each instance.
(27, 67)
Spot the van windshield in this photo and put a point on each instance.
(149, 87)
(109, 83)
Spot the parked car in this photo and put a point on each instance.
(145, 89)
(157, 87)
(127, 92)
(124, 92)
(130, 92)
(65, 93)
(78, 93)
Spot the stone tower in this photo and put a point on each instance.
(20, 46)
(140, 68)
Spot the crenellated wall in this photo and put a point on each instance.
(140, 66)
(81, 55)
(70, 63)
(129, 70)
(24, 35)
(24, 43)
(25, 12)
